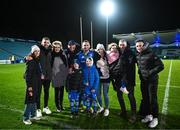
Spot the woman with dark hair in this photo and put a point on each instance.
(103, 69)
(59, 73)
(33, 81)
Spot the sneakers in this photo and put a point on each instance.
(47, 110)
(27, 122)
(106, 112)
(35, 118)
(101, 109)
(82, 109)
(38, 113)
(124, 90)
(147, 119)
(58, 110)
(153, 123)
(91, 110)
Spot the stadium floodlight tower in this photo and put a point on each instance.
(107, 9)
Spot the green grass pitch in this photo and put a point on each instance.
(12, 92)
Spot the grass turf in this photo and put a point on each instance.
(12, 92)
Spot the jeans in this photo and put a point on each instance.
(29, 111)
(105, 93)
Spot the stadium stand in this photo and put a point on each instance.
(14, 47)
(166, 44)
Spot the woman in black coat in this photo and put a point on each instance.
(33, 81)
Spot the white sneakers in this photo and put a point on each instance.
(106, 112)
(58, 110)
(47, 110)
(124, 90)
(153, 123)
(35, 118)
(38, 113)
(27, 122)
(100, 110)
(147, 119)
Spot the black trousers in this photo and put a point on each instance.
(116, 83)
(46, 85)
(59, 94)
(149, 102)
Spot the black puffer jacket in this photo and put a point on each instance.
(74, 80)
(129, 65)
(45, 61)
(149, 64)
(124, 67)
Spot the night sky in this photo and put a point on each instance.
(59, 19)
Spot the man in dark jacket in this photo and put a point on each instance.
(71, 51)
(149, 65)
(126, 70)
(45, 61)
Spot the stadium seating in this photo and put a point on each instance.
(18, 48)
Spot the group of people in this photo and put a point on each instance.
(86, 74)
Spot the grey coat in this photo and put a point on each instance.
(59, 72)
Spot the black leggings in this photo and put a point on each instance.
(59, 93)
(46, 85)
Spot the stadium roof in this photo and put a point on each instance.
(154, 37)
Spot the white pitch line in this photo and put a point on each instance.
(11, 109)
(166, 96)
(164, 85)
(57, 123)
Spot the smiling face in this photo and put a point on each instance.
(89, 62)
(76, 66)
(139, 46)
(101, 52)
(122, 45)
(57, 48)
(36, 53)
(45, 43)
(72, 47)
(113, 48)
(86, 46)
